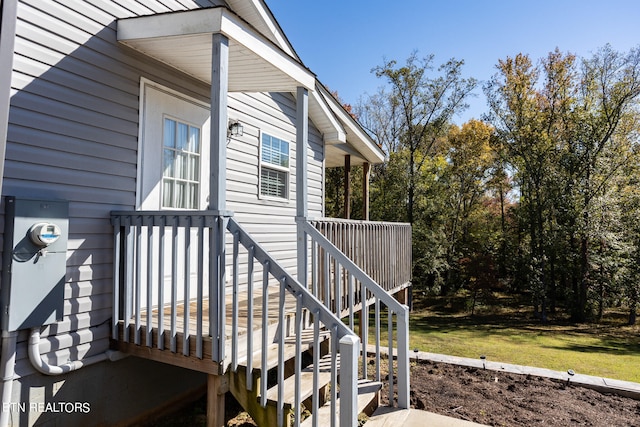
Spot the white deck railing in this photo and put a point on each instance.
(168, 266)
(380, 249)
(345, 288)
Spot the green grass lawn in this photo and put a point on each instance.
(510, 334)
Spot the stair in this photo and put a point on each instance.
(368, 391)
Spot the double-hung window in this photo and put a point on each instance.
(274, 167)
(181, 165)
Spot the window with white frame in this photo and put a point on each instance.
(274, 167)
(181, 165)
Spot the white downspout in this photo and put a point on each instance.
(44, 368)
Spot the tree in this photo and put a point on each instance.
(419, 109)
(566, 137)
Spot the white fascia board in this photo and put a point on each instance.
(241, 32)
(197, 21)
(269, 20)
(332, 130)
(210, 21)
(356, 135)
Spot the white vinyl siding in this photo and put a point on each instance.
(73, 135)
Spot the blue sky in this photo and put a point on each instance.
(342, 40)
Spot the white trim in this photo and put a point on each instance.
(138, 32)
(144, 84)
(278, 168)
(8, 18)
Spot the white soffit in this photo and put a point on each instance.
(356, 136)
(184, 41)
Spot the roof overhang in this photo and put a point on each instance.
(358, 145)
(183, 40)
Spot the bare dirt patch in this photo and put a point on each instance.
(482, 396)
(505, 399)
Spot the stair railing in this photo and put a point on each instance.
(344, 341)
(343, 287)
(170, 293)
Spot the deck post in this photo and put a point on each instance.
(349, 351)
(366, 172)
(302, 136)
(218, 187)
(216, 385)
(219, 94)
(403, 357)
(347, 186)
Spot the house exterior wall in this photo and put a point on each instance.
(73, 135)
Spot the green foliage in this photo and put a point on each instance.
(541, 198)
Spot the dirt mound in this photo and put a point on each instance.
(505, 399)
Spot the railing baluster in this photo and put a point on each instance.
(200, 290)
(377, 332)
(149, 335)
(222, 301)
(390, 328)
(138, 279)
(298, 360)
(187, 286)
(281, 336)
(235, 305)
(117, 262)
(174, 284)
(338, 293)
(350, 299)
(365, 331)
(265, 333)
(214, 325)
(327, 276)
(315, 399)
(334, 374)
(250, 313)
(314, 269)
(128, 279)
(161, 246)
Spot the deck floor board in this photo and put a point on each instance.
(154, 351)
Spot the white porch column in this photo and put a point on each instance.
(217, 191)
(219, 94)
(302, 137)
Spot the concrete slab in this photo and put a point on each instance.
(394, 417)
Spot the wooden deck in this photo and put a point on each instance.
(150, 349)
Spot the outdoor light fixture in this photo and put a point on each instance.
(484, 359)
(571, 373)
(235, 128)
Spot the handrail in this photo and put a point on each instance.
(192, 273)
(380, 295)
(341, 335)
